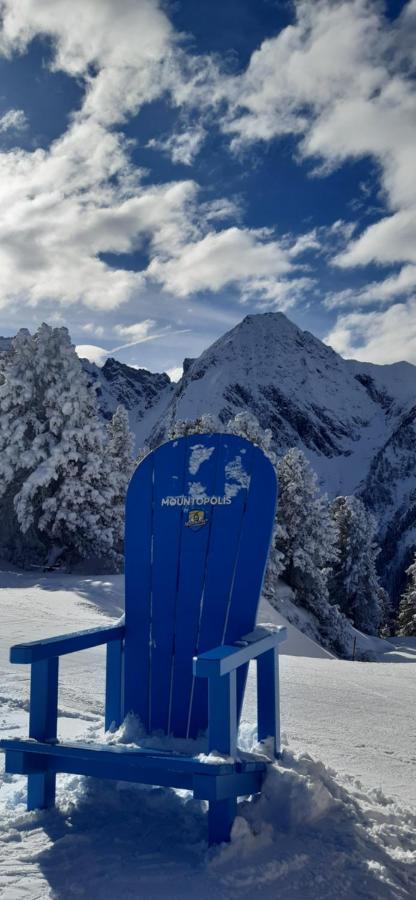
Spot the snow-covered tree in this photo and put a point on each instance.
(306, 539)
(120, 446)
(120, 442)
(354, 583)
(406, 621)
(306, 535)
(56, 474)
(204, 424)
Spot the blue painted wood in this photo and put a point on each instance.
(170, 468)
(114, 683)
(42, 726)
(43, 699)
(221, 815)
(64, 643)
(225, 536)
(238, 784)
(139, 757)
(225, 658)
(268, 706)
(252, 557)
(201, 778)
(193, 560)
(222, 714)
(181, 579)
(138, 581)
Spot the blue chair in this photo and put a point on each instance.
(199, 519)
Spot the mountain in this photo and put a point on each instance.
(355, 421)
(144, 394)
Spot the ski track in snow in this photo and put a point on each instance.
(314, 834)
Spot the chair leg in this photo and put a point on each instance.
(42, 726)
(221, 815)
(41, 790)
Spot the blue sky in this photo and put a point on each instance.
(166, 169)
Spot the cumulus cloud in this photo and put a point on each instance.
(340, 79)
(380, 337)
(63, 208)
(181, 146)
(13, 120)
(400, 284)
(118, 48)
(221, 258)
(93, 353)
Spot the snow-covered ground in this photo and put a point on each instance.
(315, 833)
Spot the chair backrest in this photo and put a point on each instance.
(199, 519)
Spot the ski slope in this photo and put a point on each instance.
(314, 833)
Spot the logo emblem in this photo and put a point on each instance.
(196, 518)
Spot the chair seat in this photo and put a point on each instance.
(206, 777)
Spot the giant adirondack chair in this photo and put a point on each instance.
(199, 518)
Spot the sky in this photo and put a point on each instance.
(167, 168)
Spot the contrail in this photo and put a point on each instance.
(150, 337)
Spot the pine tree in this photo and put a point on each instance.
(406, 621)
(56, 475)
(120, 443)
(306, 536)
(354, 583)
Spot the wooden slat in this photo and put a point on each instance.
(252, 556)
(138, 575)
(192, 573)
(142, 758)
(169, 473)
(224, 541)
(64, 643)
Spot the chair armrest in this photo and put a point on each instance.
(228, 657)
(65, 643)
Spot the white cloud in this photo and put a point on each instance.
(91, 328)
(380, 337)
(404, 282)
(126, 42)
(138, 331)
(234, 255)
(181, 146)
(175, 374)
(338, 78)
(95, 354)
(64, 207)
(13, 120)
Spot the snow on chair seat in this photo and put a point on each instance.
(199, 518)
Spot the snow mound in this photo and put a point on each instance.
(297, 643)
(311, 833)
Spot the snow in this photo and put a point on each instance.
(199, 454)
(315, 832)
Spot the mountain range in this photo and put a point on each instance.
(355, 421)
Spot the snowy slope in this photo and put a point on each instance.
(354, 421)
(145, 395)
(300, 388)
(315, 833)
